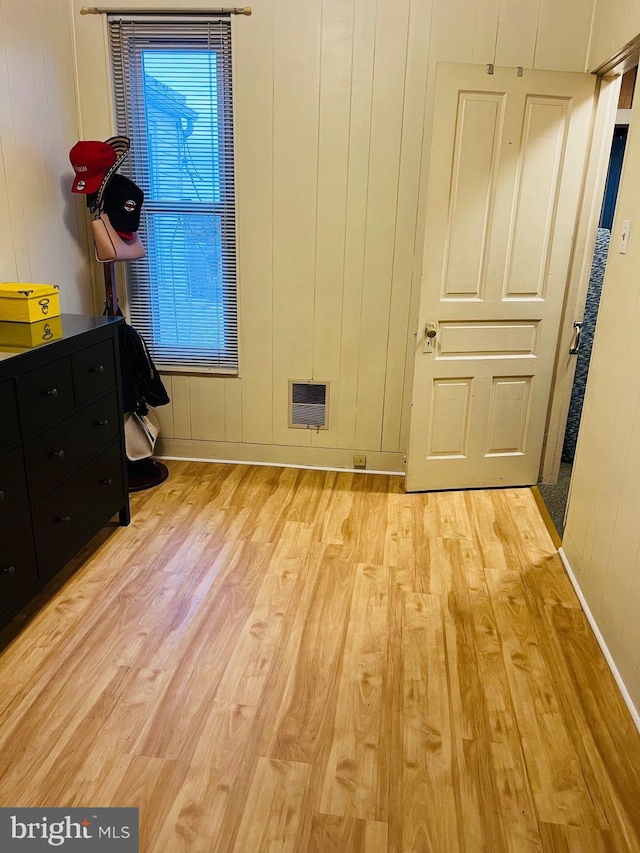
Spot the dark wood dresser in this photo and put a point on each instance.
(63, 468)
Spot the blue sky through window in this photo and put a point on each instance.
(185, 107)
(182, 122)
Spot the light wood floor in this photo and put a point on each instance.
(278, 660)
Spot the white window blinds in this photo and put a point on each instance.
(173, 99)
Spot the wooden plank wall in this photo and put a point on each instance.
(614, 26)
(333, 103)
(43, 228)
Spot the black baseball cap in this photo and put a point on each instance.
(122, 201)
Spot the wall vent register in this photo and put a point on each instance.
(309, 405)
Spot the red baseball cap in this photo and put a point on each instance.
(90, 161)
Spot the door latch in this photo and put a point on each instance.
(429, 335)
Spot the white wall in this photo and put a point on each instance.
(333, 102)
(602, 535)
(42, 226)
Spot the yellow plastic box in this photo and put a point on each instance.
(17, 336)
(21, 302)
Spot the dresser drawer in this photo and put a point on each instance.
(61, 518)
(17, 561)
(13, 485)
(45, 394)
(9, 424)
(62, 448)
(93, 371)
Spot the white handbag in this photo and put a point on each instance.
(140, 434)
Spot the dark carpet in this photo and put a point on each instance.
(555, 497)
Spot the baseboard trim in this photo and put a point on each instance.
(601, 641)
(286, 456)
(280, 465)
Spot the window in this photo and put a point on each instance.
(173, 99)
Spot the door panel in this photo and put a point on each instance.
(508, 415)
(506, 173)
(469, 339)
(449, 428)
(533, 218)
(473, 182)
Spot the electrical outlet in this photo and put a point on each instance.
(359, 461)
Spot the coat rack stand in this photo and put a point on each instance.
(95, 161)
(111, 307)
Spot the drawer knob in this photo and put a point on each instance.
(7, 570)
(59, 454)
(108, 482)
(63, 519)
(104, 423)
(53, 392)
(98, 369)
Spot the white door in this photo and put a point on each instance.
(505, 180)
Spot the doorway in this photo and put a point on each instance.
(508, 156)
(555, 496)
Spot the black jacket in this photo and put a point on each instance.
(141, 382)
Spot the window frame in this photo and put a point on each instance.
(129, 38)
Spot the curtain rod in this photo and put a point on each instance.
(100, 10)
